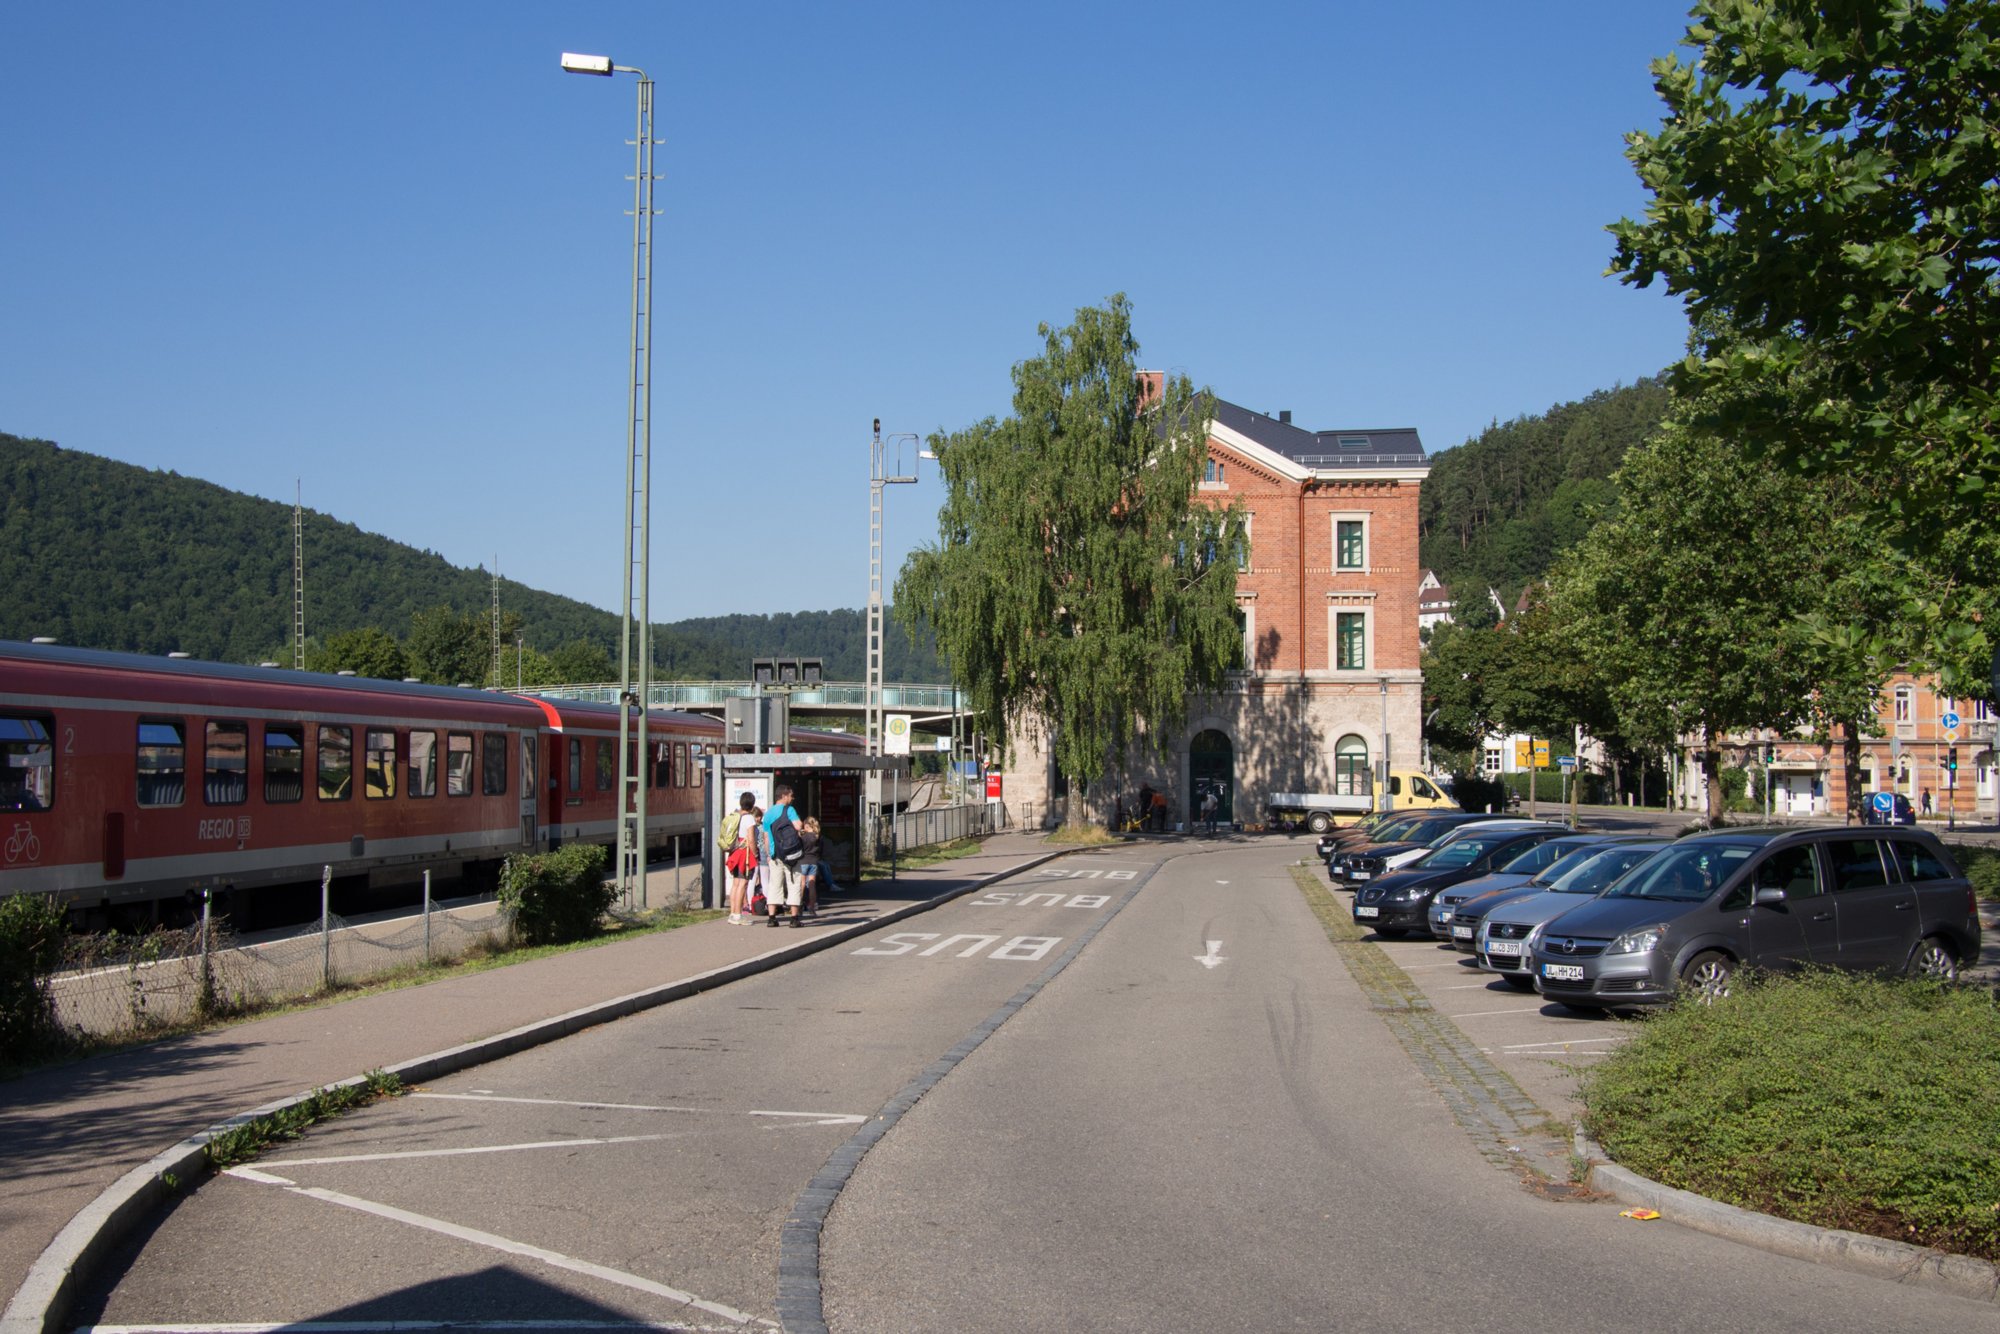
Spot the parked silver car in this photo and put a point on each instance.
(1775, 899)
(1498, 932)
(1533, 868)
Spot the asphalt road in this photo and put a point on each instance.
(1200, 1123)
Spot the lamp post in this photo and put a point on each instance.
(635, 639)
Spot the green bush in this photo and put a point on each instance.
(1835, 1099)
(31, 944)
(1982, 867)
(556, 897)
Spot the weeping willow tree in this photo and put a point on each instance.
(1076, 581)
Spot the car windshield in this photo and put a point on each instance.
(1393, 831)
(1564, 858)
(1463, 851)
(1593, 873)
(1688, 874)
(1542, 857)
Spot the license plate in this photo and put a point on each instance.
(1510, 948)
(1358, 875)
(1461, 933)
(1367, 912)
(1562, 972)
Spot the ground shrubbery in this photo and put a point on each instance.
(1840, 1100)
(1981, 866)
(31, 943)
(555, 897)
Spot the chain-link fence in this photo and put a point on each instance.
(118, 985)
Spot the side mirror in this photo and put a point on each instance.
(1768, 894)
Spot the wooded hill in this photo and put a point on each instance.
(101, 554)
(1498, 510)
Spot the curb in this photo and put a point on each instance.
(45, 1296)
(1878, 1257)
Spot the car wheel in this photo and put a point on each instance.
(1319, 824)
(1708, 976)
(1518, 983)
(1933, 959)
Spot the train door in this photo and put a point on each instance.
(531, 791)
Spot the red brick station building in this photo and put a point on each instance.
(1332, 680)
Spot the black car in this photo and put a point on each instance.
(1397, 844)
(1887, 808)
(1398, 903)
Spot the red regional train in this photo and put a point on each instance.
(126, 782)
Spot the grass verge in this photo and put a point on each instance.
(1981, 866)
(479, 958)
(1843, 1101)
(929, 856)
(1082, 836)
(242, 1143)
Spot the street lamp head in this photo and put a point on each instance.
(578, 64)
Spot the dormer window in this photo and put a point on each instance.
(1354, 442)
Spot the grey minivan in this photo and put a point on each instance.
(1775, 899)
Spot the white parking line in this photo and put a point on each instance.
(1481, 1014)
(1571, 1042)
(487, 1239)
(397, 1326)
(817, 1118)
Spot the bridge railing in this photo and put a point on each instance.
(848, 696)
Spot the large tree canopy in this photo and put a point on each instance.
(1075, 580)
(1826, 196)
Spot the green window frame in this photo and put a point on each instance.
(1350, 641)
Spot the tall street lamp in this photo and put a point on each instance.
(635, 633)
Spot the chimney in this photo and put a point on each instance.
(1152, 387)
(1285, 416)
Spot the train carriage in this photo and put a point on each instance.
(127, 781)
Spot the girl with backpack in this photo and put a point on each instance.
(738, 836)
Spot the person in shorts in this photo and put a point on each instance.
(782, 884)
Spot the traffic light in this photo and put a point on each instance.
(1951, 760)
(1770, 752)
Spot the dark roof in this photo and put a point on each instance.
(1397, 447)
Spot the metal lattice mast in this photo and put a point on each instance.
(496, 620)
(875, 480)
(299, 579)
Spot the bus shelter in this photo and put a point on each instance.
(826, 785)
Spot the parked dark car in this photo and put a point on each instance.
(1373, 859)
(1890, 900)
(1500, 922)
(1397, 904)
(1887, 808)
(1364, 830)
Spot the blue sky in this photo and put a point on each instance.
(380, 251)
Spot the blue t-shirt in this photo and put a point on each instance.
(771, 818)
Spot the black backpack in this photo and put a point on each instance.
(786, 845)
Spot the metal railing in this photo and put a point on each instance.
(941, 824)
(830, 696)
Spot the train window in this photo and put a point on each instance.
(575, 794)
(284, 763)
(658, 773)
(225, 758)
(379, 779)
(494, 778)
(695, 751)
(680, 764)
(531, 749)
(27, 764)
(458, 764)
(423, 764)
(607, 760)
(336, 763)
(162, 762)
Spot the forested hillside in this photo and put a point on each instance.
(102, 554)
(1500, 508)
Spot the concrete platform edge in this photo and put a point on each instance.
(1879, 1257)
(44, 1298)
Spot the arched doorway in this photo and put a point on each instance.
(1211, 767)
(1351, 777)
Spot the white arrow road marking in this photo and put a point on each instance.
(1211, 959)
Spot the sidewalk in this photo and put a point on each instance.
(68, 1134)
